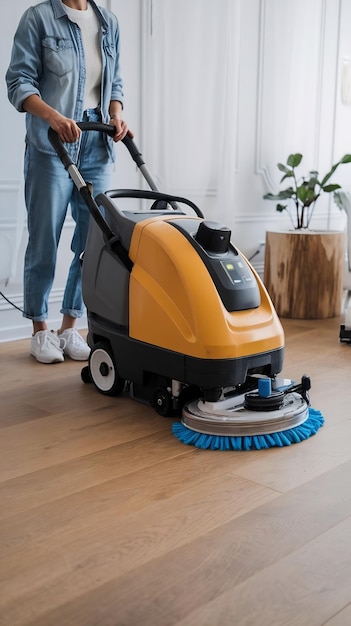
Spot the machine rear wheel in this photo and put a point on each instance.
(85, 374)
(162, 402)
(103, 370)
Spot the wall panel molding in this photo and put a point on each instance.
(268, 143)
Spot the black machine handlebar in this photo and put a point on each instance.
(127, 193)
(99, 126)
(134, 153)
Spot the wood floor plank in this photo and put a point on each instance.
(295, 591)
(106, 519)
(342, 618)
(302, 462)
(21, 370)
(179, 555)
(34, 445)
(123, 461)
(50, 555)
(70, 477)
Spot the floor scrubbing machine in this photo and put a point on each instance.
(179, 319)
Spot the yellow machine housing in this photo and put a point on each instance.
(175, 301)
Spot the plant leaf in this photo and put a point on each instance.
(294, 160)
(288, 174)
(306, 195)
(329, 174)
(346, 158)
(282, 195)
(281, 207)
(283, 168)
(329, 188)
(312, 181)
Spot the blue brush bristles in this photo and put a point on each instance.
(254, 442)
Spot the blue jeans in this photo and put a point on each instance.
(49, 191)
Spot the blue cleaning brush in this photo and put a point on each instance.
(253, 442)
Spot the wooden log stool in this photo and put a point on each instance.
(303, 273)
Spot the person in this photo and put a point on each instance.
(64, 68)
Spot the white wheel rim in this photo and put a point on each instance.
(100, 357)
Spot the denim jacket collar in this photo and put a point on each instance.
(59, 11)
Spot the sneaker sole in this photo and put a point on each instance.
(48, 361)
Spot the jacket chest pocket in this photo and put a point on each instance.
(58, 55)
(109, 52)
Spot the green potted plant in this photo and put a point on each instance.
(303, 192)
(303, 269)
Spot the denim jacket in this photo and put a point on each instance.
(48, 60)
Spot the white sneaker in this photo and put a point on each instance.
(46, 347)
(75, 346)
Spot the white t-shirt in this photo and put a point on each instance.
(90, 29)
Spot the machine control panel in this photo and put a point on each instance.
(237, 271)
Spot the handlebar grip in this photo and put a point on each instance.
(103, 128)
(98, 126)
(59, 147)
(133, 150)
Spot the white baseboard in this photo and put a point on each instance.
(24, 330)
(14, 326)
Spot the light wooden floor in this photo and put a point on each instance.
(107, 519)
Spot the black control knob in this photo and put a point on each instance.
(213, 237)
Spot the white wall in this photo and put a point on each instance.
(288, 100)
(284, 97)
